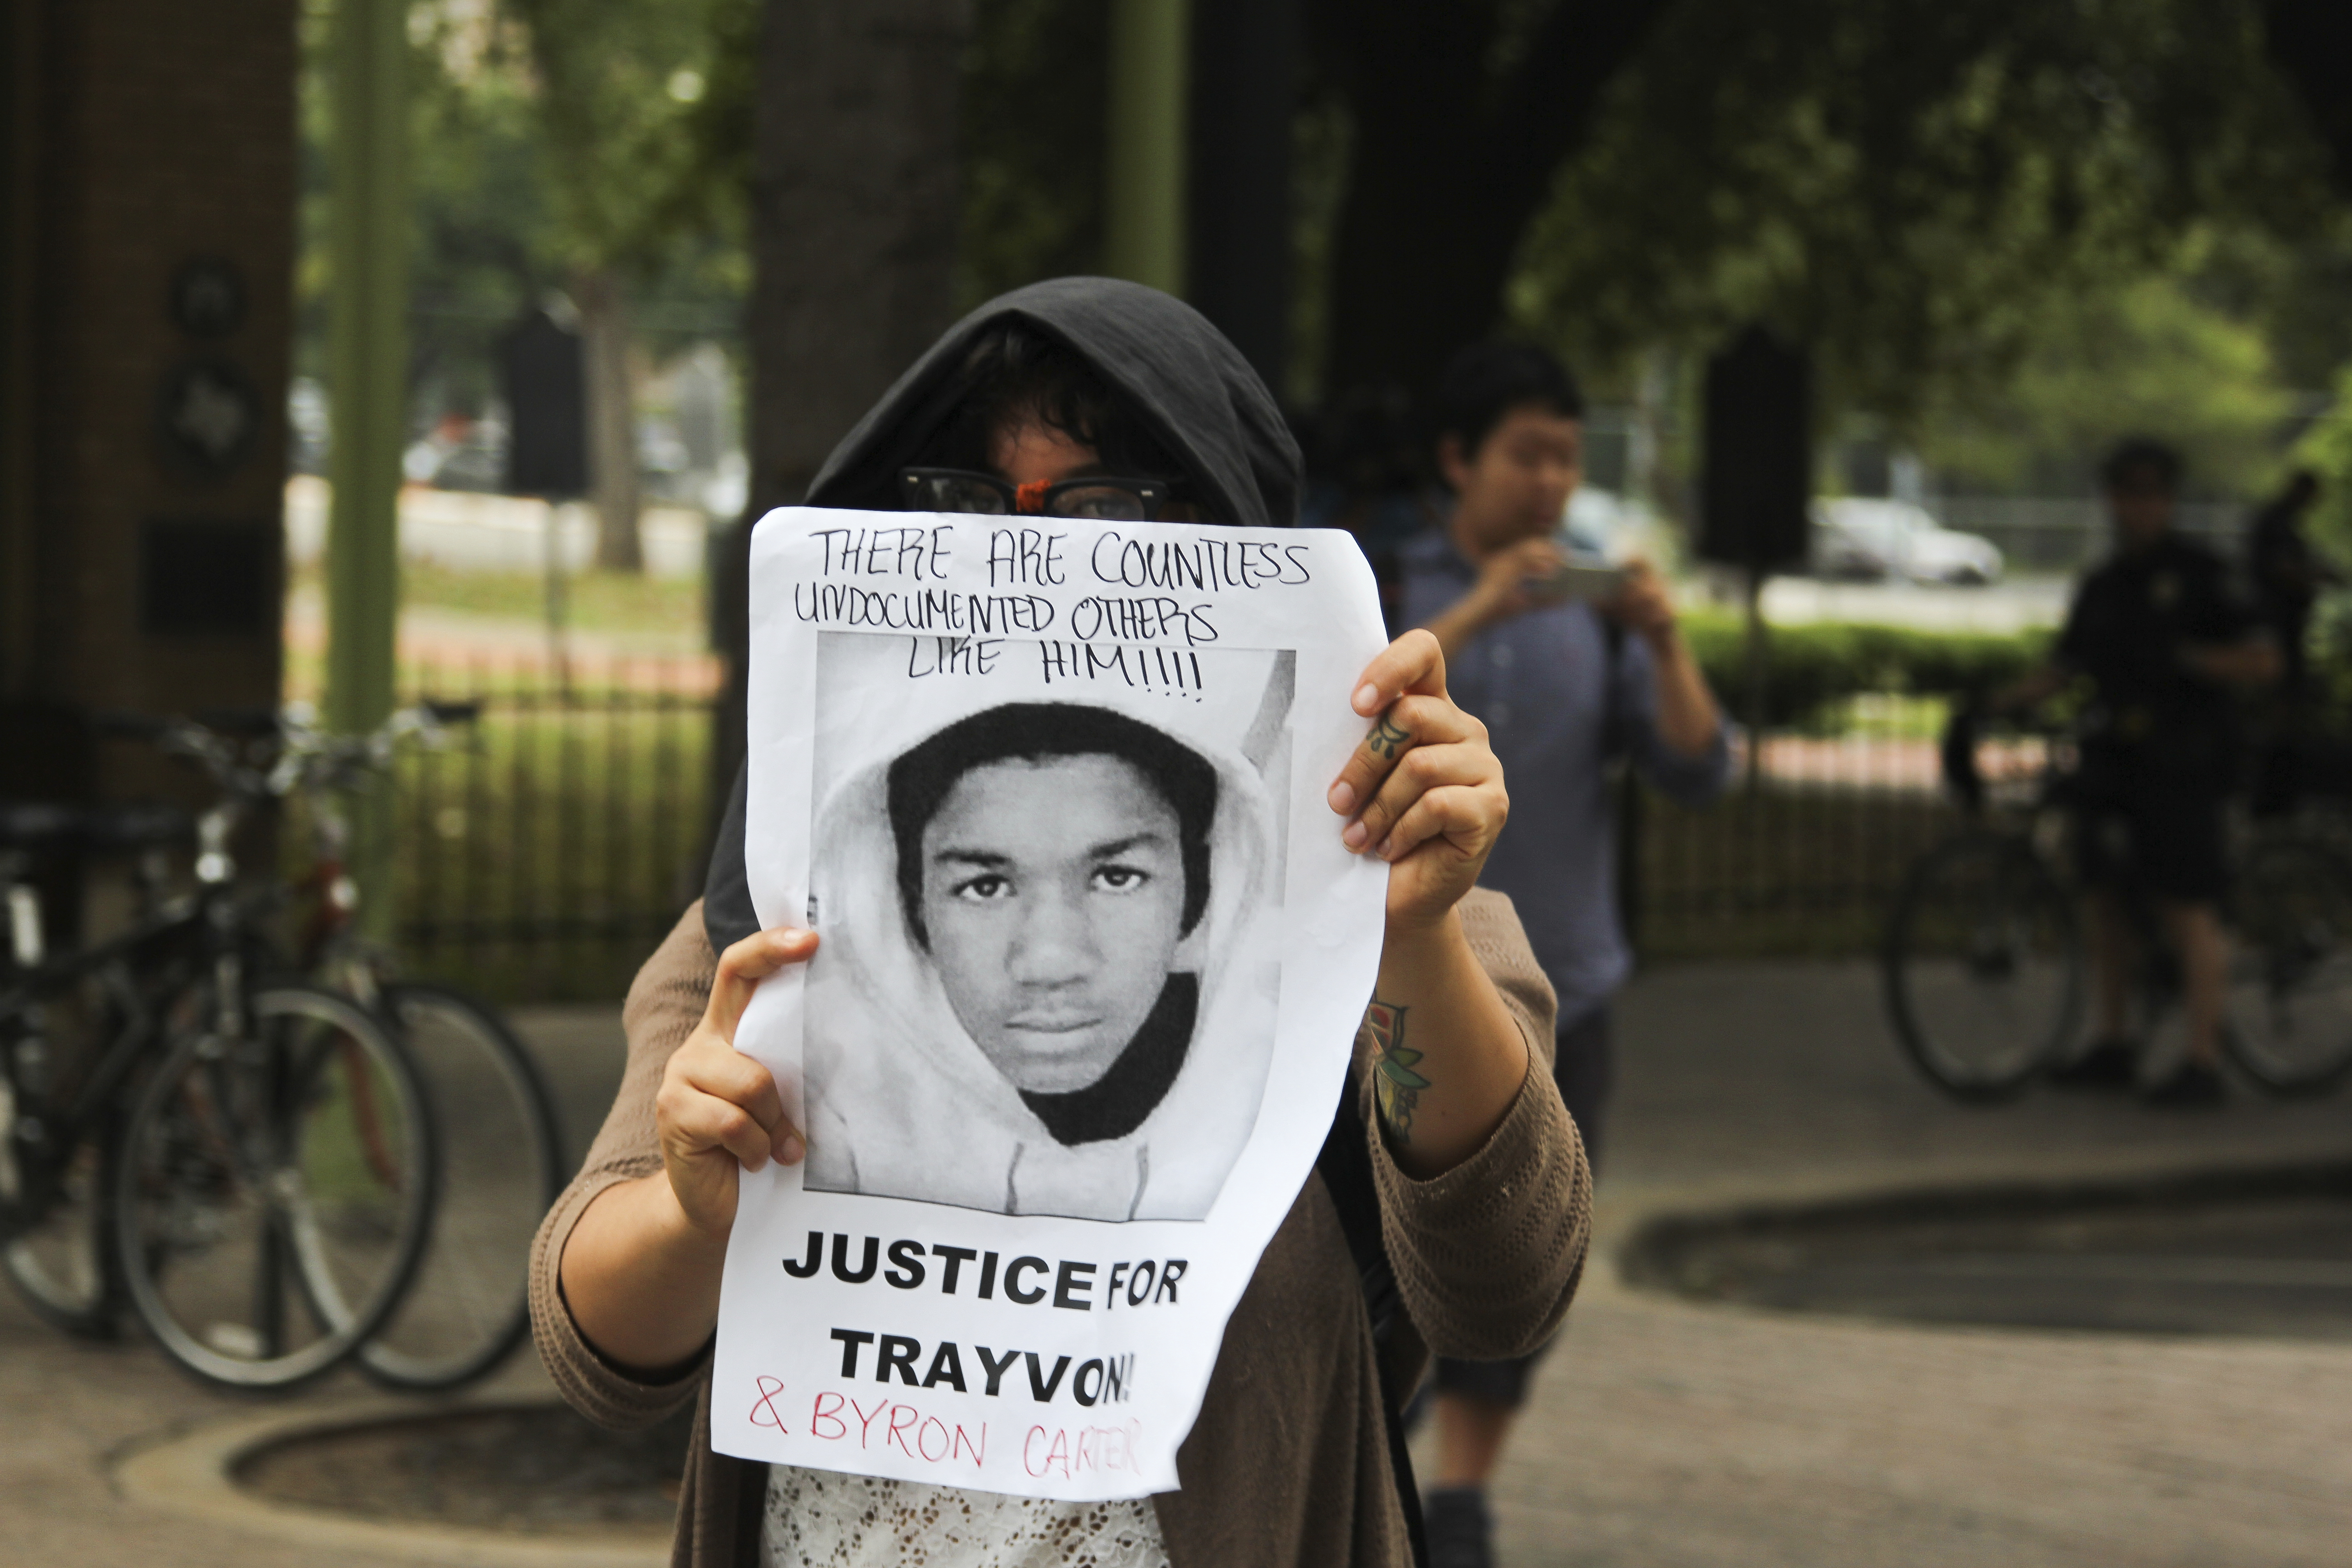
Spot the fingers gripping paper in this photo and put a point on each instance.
(1092, 959)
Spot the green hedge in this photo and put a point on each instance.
(1813, 665)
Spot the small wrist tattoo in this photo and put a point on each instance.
(1386, 738)
(1395, 1085)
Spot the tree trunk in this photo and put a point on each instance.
(1245, 95)
(854, 212)
(611, 419)
(854, 206)
(1422, 246)
(1451, 163)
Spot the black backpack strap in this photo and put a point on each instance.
(1347, 1167)
(1616, 730)
(1619, 774)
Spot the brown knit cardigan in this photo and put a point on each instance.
(1288, 1462)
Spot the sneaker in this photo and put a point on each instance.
(1460, 1530)
(2194, 1087)
(2109, 1064)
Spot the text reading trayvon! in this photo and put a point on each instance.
(1072, 1285)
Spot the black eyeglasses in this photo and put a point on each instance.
(1105, 498)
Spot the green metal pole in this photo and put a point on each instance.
(367, 352)
(1143, 211)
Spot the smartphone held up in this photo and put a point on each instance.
(1581, 575)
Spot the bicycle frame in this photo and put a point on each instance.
(205, 935)
(178, 946)
(213, 929)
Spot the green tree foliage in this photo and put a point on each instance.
(1941, 199)
(2147, 357)
(616, 83)
(508, 196)
(1908, 187)
(479, 242)
(2296, 288)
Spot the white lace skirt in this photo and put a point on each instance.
(822, 1518)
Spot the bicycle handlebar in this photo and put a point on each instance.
(311, 756)
(307, 755)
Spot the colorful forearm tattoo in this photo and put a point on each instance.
(1394, 1083)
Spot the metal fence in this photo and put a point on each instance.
(545, 851)
(2043, 533)
(1804, 861)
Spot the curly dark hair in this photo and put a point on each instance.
(1013, 372)
(919, 780)
(1485, 382)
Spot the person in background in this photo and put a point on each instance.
(1566, 688)
(2287, 575)
(2163, 640)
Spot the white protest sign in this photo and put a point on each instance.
(1051, 792)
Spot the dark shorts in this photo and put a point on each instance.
(2161, 838)
(1585, 1067)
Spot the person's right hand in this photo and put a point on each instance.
(1502, 589)
(719, 1113)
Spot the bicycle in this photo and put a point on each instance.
(1984, 966)
(502, 1150)
(249, 1164)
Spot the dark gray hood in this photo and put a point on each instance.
(1202, 400)
(1200, 397)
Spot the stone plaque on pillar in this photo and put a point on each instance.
(208, 577)
(1756, 477)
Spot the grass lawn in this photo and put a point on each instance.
(612, 602)
(618, 602)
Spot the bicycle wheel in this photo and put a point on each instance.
(502, 1168)
(63, 1264)
(2290, 1004)
(1983, 967)
(292, 1167)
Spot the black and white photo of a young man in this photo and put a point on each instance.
(1041, 1003)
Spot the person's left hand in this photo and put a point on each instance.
(1641, 603)
(1424, 791)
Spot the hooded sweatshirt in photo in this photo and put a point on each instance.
(903, 1103)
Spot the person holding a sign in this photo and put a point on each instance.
(1574, 669)
(1088, 399)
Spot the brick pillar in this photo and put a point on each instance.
(146, 276)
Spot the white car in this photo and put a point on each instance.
(1871, 539)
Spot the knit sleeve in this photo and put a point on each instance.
(1488, 1255)
(665, 1002)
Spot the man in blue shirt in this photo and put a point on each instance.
(1565, 687)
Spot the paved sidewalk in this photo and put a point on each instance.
(1676, 1436)
(1662, 1433)
(74, 1411)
